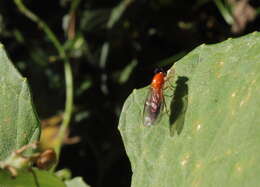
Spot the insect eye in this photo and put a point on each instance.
(158, 70)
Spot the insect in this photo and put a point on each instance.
(155, 99)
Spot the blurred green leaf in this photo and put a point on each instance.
(18, 36)
(63, 174)
(211, 136)
(92, 20)
(76, 47)
(257, 10)
(117, 12)
(79, 116)
(32, 178)
(225, 12)
(126, 72)
(55, 81)
(19, 124)
(104, 55)
(85, 85)
(21, 65)
(39, 56)
(76, 182)
(115, 15)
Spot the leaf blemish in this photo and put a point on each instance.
(185, 160)
(198, 127)
(221, 63)
(241, 103)
(198, 165)
(218, 75)
(253, 82)
(7, 120)
(238, 168)
(228, 152)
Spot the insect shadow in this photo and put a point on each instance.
(178, 106)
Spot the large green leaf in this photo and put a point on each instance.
(211, 136)
(19, 124)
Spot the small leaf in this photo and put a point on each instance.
(63, 174)
(126, 72)
(76, 182)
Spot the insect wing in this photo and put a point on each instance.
(152, 107)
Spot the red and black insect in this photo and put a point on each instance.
(155, 99)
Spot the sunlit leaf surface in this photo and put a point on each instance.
(211, 136)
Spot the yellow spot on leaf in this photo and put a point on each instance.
(228, 152)
(196, 182)
(238, 168)
(198, 165)
(185, 160)
(7, 120)
(198, 127)
(253, 82)
(218, 75)
(221, 63)
(241, 103)
(190, 100)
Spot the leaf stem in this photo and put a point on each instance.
(67, 71)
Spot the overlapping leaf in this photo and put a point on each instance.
(19, 124)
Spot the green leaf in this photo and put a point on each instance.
(126, 72)
(63, 174)
(76, 182)
(19, 124)
(117, 12)
(32, 178)
(211, 136)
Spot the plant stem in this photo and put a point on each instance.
(67, 71)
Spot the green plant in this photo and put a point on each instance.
(19, 130)
(67, 67)
(212, 135)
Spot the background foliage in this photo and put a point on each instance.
(115, 48)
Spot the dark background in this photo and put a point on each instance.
(148, 34)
